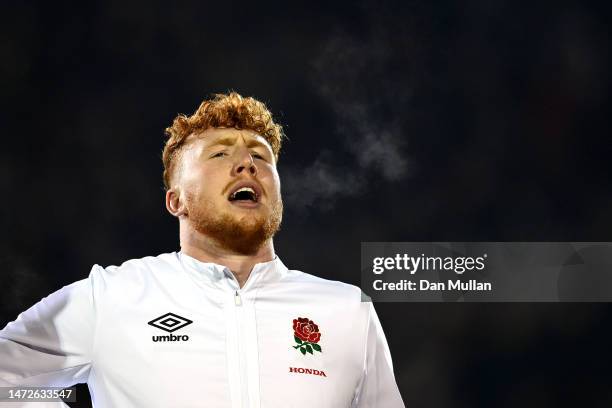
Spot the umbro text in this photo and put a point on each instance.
(301, 370)
(171, 337)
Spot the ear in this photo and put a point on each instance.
(174, 204)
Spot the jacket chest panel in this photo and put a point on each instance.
(181, 363)
(323, 376)
(240, 353)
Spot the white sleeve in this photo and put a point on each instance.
(50, 344)
(377, 387)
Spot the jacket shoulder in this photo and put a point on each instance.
(323, 287)
(134, 272)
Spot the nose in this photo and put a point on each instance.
(245, 163)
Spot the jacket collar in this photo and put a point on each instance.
(220, 275)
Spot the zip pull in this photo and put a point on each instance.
(237, 299)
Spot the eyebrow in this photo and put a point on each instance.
(230, 140)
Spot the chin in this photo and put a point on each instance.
(242, 230)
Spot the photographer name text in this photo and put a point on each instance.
(425, 285)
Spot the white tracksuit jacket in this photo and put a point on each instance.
(171, 331)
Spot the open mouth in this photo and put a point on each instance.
(244, 194)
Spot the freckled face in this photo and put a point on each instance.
(230, 186)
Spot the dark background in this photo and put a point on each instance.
(445, 121)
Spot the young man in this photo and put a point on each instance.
(222, 323)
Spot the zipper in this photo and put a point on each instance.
(242, 361)
(244, 356)
(249, 353)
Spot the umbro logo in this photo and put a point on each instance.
(170, 322)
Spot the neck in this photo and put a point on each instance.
(205, 249)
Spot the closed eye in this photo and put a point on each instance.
(220, 154)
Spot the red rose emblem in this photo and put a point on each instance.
(306, 334)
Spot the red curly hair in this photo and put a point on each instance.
(230, 110)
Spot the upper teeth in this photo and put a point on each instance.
(248, 189)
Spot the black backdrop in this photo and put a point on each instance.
(466, 121)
